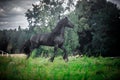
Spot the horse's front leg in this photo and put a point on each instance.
(55, 52)
(65, 56)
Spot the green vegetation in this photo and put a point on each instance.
(80, 68)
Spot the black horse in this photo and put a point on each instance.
(54, 38)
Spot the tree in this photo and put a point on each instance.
(84, 29)
(105, 21)
(44, 14)
(3, 40)
(102, 19)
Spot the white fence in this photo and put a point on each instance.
(3, 53)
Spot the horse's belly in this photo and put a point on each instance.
(47, 43)
(50, 40)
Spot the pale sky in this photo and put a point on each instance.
(12, 12)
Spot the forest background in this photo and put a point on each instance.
(96, 30)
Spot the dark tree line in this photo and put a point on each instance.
(96, 29)
(12, 40)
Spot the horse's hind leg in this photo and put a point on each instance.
(65, 56)
(55, 52)
(28, 55)
(30, 51)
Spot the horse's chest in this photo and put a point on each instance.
(58, 40)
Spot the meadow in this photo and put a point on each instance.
(78, 68)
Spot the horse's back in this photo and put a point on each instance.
(40, 38)
(48, 39)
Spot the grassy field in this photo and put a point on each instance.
(82, 68)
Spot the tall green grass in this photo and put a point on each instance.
(82, 68)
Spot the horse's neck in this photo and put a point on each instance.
(62, 31)
(59, 30)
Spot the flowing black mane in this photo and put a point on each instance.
(59, 25)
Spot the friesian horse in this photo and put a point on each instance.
(55, 38)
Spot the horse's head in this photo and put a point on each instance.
(68, 23)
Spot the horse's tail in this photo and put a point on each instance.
(26, 47)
